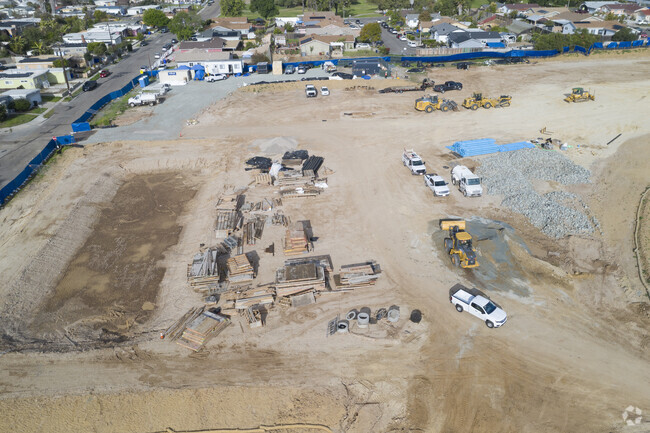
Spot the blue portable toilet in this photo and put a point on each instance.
(144, 81)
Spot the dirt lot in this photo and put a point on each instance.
(95, 251)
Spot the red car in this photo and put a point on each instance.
(104, 73)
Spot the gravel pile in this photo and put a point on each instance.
(510, 174)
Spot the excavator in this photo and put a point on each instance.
(459, 244)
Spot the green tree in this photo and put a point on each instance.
(288, 28)
(625, 34)
(40, 48)
(184, 25)
(139, 37)
(371, 32)
(424, 16)
(99, 16)
(60, 63)
(492, 8)
(155, 18)
(266, 8)
(22, 105)
(18, 45)
(3, 113)
(232, 8)
(445, 7)
(97, 48)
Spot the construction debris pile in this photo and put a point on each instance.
(196, 327)
(358, 275)
(510, 174)
(203, 270)
(362, 319)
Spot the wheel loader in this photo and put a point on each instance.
(578, 94)
(477, 100)
(432, 102)
(459, 244)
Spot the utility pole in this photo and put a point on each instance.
(65, 74)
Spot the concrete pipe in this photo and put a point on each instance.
(363, 319)
(352, 314)
(393, 314)
(381, 314)
(342, 326)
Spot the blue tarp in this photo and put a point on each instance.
(612, 45)
(183, 68)
(625, 44)
(484, 146)
(496, 45)
(516, 146)
(638, 43)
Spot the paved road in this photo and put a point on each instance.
(397, 47)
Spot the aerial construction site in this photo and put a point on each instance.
(284, 265)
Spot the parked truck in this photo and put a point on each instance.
(144, 99)
(479, 306)
(436, 184)
(310, 91)
(413, 161)
(468, 183)
(426, 84)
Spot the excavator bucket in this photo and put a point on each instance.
(446, 224)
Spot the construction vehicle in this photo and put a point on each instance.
(578, 94)
(477, 100)
(459, 244)
(426, 83)
(468, 183)
(432, 102)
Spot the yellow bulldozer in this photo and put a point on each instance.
(432, 102)
(578, 94)
(459, 244)
(477, 100)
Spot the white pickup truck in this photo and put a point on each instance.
(311, 91)
(413, 161)
(479, 306)
(436, 184)
(468, 183)
(144, 99)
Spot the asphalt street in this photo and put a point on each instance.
(22, 144)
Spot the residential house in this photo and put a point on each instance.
(620, 9)
(209, 46)
(281, 21)
(214, 62)
(74, 50)
(642, 16)
(139, 10)
(15, 27)
(330, 28)
(234, 24)
(520, 8)
(105, 2)
(595, 6)
(93, 35)
(112, 10)
(13, 79)
(31, 95)
(472, 39)
(35, 63)
(451, 21)
(412, 20)
(441, 32)
(126, 27)
(520, 28)
(606, 29)
(322, 45)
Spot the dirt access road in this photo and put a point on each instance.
(86, 245)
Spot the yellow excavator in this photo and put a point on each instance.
(459, 244)
(578, 94)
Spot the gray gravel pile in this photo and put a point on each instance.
(510, 174)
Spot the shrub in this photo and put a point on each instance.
(22, 105)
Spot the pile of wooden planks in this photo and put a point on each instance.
(256, 296)
(203, 270)
(279, 219)
(359, 275)
(300, 191)
(200, 327)
(227, 222)
(231, 201)
(253, 230)
(240, 269)
(296, 241)
(293, 279)
(263, 179)
(292, 178)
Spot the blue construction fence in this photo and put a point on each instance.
(14, 186)
(81, 124)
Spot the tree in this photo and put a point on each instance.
(232, 8)
(97, 48)
(445, 7)
(492, 8)
(40, 48)
(371, 32)
(184, 25)
(155, 18)
(288, 27)
(266, 8)
(60, 63)
(625, 34)
(99, 16)
(18, 45)
(22, 105)
(424, 16)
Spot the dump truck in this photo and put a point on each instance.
(432, 102)
(478, 306)
(458, 244)
(468, 183)
(477, 100)
(578, 94)
(426, 84)
(413, 161)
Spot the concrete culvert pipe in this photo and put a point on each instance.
(365, 310)
(393, 314)
(352, 314)
(381, 314)
(342, 326)
(416, 316)
(363, 319)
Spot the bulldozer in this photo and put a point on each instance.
(477, 100)
(578, 94)
(432, 102)
(459, 244)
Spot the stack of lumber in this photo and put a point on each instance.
(227, 222)
(203, 270)
(296, 241)
(280, 219)
(324, 261)
(311, 165)
(201, 328)
(240, 269)
(294, 279)
(300, 191)
(292, 178)
(257, 296)
(231, 201)
(264, 205)
(253, 230)
(359, 274)
(263, 179)
(254, 317)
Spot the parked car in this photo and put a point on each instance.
(104, 73)
(436, 184)
(324, 91)
(448, 85)
(302, 70)
(393, 31)
(156, 56)
(311, 91)
(290, 69)
(415, 70)
(89, 85)
(462, 65)
(143, 99)
(164, 30)
(363, 45)
(412, 44)
(143, 44)
(174, 41)
(216, 77)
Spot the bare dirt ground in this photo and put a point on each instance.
(98, 246)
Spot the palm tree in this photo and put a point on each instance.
(40, 47)
(17, 45)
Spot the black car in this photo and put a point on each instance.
(143, 44)
(462, 66)
(448, 85)
(164, 30)
(415, 70)
(89, 85)
(174, 41)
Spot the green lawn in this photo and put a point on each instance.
(17, 119)
(39, 110)
(114, 108)
(49, 114)
(50, 98)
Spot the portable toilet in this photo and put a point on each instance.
(144, 81)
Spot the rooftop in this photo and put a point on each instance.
(201, 56)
